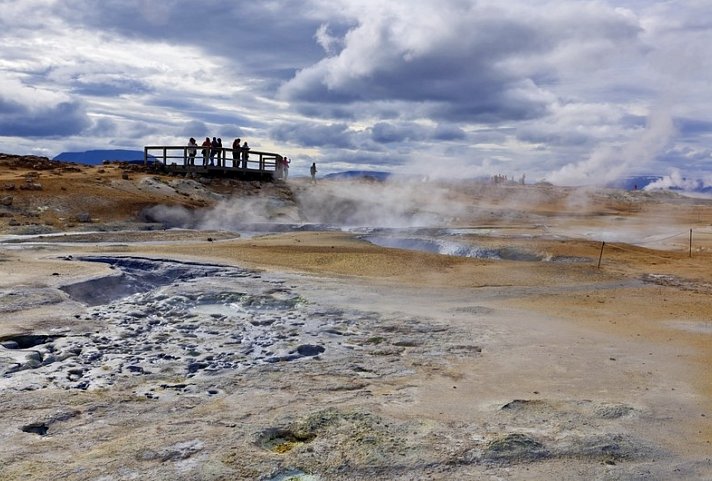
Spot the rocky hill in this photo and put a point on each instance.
(39, 195)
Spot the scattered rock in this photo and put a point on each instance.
(515, 447)
(613, 411)
(36, 428)
(176, 452)
(310, 350)
(83, 217)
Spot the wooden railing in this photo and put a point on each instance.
(195, 158)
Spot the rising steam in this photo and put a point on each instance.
(610, 163)
(675, 180)
(406, 203)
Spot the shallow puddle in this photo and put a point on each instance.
(451, 248)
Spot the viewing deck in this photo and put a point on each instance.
(227, 162)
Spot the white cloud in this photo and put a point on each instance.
(327, 41)
(556, 88)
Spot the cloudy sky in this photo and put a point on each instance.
(568, 91)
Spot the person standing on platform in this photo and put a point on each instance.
(221, 154)
(236, 153)
(213, 150)
(245, 154)
(278, 167)
(206, 150)
(191, 151)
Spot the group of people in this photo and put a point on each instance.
(215, 155)
(281, 168)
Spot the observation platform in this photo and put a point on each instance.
(226, 162)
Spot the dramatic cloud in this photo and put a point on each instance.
(314, 135)
(562, 90)
(35, 113)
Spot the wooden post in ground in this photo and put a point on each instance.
(600, 256)
(690, 242)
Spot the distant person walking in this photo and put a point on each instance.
(313, 171)
(192, 150)
(221, 153)
(285, 170)
(206, 150)
(245, 154)
(236, 153)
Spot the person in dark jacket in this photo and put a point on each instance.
(236, 153)
(312, 171)
(213, 150)
(245, 154)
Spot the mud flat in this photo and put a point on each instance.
(319, 356)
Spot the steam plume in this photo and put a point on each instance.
(608, 163)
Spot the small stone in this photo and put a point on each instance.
(36, 428)
(310, 349)
(83, 217)
(194, 367)
(34, 356)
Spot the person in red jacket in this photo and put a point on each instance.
(206, 150)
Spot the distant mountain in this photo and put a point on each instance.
(635, 182)
(94, 157)
(679, 185)
(359, 174)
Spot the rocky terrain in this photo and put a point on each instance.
(158, 327)
(38, 195)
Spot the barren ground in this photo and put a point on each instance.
(434, 366)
